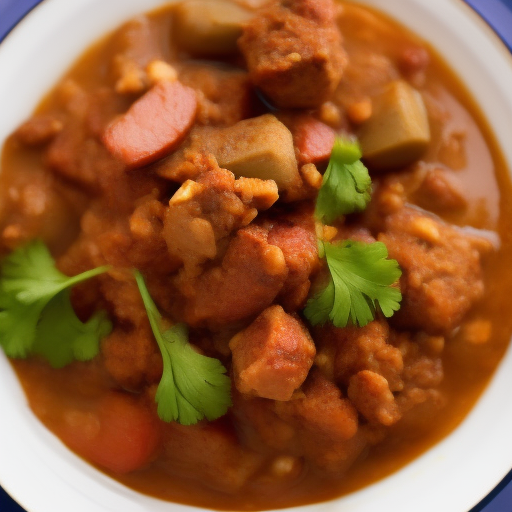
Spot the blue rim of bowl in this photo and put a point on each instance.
(497, 13)
(494, 494)
(13, 11)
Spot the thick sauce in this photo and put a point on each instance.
(37, 202)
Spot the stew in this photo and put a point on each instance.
(299, 225)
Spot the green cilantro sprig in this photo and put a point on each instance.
(193, 386)
(36, 315)
(361, 282)
(346, 184)
(37, 318)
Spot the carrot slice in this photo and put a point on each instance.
(120, 434)
(153, 126)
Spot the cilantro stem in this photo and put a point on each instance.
(86, 275)
(151, 308)
(193, 386)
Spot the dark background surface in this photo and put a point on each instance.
(498, 14)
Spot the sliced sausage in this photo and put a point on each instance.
(153, 126)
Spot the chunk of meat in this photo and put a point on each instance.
(39, 129)
(441, 265)
(202, 213)
(77, 156)
(422, 375)
(135, 44)
(272, 357)
(294, 55)
(76, 152)
(225, 96)
(123, 298)
(296, 237)
(134, 241)
(424, 372)
(440, 192)
(319, 424)
(132, 357)
(353, 349)
(189, 236)
(146, 223)
(251, 275)
(330, 439)
(371, 395)
(208, 452)
(153, 126)
(38, 207)
(343, 352)
(321, 11)
(260, 194)
(413, 60)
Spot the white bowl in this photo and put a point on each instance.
(40, 473)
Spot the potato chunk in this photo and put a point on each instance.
(261, 147)
(398, 131)
(209, 27)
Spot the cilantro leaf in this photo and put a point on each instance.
(29, 280)
(63, 338)
(361, 279)
(18, 324)
(193, 386)
(346, 184)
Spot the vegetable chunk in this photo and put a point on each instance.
(205, 27)
(261, 147)
(272, 357)
(153, 126)
(398, 131)
(121, 435)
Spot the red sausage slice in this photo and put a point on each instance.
(153, 126)
(313, 139)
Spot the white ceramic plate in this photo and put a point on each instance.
(43, 476)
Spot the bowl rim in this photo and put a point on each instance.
(40, 457)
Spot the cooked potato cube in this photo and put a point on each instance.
(209, 27)
(398, 132)
(261, 147)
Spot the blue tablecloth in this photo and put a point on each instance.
(498, 14)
